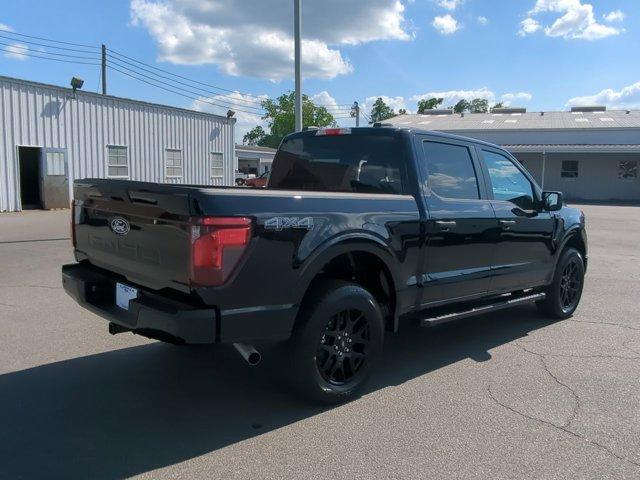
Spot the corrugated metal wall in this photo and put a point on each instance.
(45, 116)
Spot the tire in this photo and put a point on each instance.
(240, 182)
(564, 293)
(336, 343)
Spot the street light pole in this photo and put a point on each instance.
(355, 112)
(297, 20)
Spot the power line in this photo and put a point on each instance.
(227, 104)
(48, 39)
(47, 58)
(45, 45)
(119, 62)
(46, 53)
(114, 55)
(183, 77)
(176, 92)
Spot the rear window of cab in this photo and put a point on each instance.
(340, 163)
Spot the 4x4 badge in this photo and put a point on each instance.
(280, 223)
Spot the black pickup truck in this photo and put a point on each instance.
(357, 230)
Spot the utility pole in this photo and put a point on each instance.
(355, 112)
(297, 20)
(104, 69)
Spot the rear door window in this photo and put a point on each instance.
(340, 163)
(450, 170)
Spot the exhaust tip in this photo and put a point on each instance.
(249, 353)
(254, 358)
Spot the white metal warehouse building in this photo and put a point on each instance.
(588, 153)
(50, 136)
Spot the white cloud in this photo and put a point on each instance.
(483, 20)
(520, 98)
(257, 40)
(450, 4)
(16, 51)
(5, 27)
(615, 16)
(394, 102)
(576, 21)
(627, 97)
(238, 102)
(445, 24)
(529, 26)
(451, 97)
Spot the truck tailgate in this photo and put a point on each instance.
(136, 229)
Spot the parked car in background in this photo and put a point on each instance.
(257, 182)
(252, 181)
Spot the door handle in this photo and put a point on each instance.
(446, 225)
(507, 224)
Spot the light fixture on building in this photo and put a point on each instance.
(230, 113)
(76, 83)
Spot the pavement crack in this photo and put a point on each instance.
(626, 346)
(576, 398)
(605, 323)
(560, 428)
(594, 355)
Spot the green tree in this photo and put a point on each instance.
(254, 136)
(402, 111)
(499, 105)
(479, 105)
(429, 104)
(381, 111)
(462, 106)
(280, 117)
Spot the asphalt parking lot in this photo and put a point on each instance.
(510, 395)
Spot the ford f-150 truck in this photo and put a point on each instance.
(357, 231)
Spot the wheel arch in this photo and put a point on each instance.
(573, 238)
(361, 259)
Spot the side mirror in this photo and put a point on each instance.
(552, 201)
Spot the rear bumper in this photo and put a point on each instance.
(157, 316)
(149, 315)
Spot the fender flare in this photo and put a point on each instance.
(569, 234)
(346, 243)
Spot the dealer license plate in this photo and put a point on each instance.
(125, 293)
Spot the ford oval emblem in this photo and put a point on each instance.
(119, 226)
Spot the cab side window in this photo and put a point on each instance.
(450, 170)
(508, 182)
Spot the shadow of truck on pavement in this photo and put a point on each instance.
(129, 411)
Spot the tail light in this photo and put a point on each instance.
(217, 245)
(76, 211)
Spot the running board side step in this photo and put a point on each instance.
(492, 307)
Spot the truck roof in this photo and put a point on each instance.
(393, 129)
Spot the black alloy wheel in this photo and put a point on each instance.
(570, 285)
(342, 351)
(565, 291)
(336, 343)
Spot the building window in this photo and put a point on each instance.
(627, 170)
(56, 163)
(569, 169)
(173, 163)
(217, 165)
(117, 162)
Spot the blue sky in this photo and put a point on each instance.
(542, 54)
